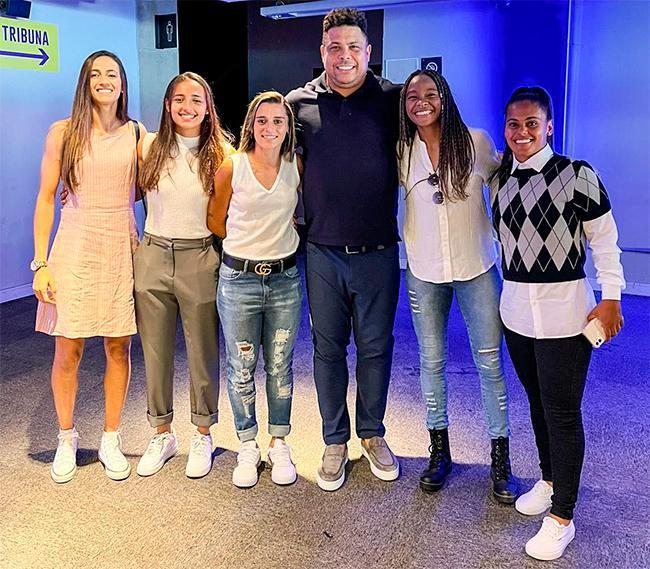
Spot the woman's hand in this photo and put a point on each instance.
(609, 314)
(64, 195)
(43, 285)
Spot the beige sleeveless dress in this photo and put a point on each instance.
(91, 257)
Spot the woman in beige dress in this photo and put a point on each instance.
(85, 285)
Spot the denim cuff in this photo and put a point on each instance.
(247, 434)
(279, 430)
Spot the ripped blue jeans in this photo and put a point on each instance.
(478, 299)
(259, 312)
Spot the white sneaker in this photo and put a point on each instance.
(161, 448)
(199, 461)
(536, 501)
(115, 464)
(283, 470)
(248, 460)
(551, 540)
(64, 466)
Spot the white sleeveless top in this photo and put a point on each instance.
(178, 207)
(260, 221)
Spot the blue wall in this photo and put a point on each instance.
(603, 47)
(31, 101)
(488, 49)
(609, 117)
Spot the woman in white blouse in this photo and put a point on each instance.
(451, 252)
(176, 268)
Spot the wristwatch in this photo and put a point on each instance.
(35, 265)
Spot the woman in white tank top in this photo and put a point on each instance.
(259, 293)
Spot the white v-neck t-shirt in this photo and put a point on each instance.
(260, 221)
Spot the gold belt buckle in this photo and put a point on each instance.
(263, 269)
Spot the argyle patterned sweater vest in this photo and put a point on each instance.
(538, 218)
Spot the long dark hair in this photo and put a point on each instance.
(76, 141)
(541, 98)
(213, 139)
(456, 146)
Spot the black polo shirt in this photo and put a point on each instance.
(350, 180)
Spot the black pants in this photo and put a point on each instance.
(553, 373)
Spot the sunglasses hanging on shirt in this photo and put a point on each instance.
(433, 180)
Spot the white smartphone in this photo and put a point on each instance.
(594, 332)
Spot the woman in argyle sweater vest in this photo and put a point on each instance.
(545, 209)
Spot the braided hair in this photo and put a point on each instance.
(540, 97)
(456, 146)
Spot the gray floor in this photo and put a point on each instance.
(173, 522)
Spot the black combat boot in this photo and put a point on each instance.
(505, 487)
(433, 478)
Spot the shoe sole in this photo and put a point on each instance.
(145, 473)
(332, 485)
(431, 488)
(508, 501)
(115, 474)
(200, 474)
(552, 556)
(532, 512)
(253, 483)
(385, 475)
(62, 479)
(283, 481)
(244, 485)
(280, 481)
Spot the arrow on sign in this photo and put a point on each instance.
(42, 56)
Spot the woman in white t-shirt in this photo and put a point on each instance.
(259, 293)
(176, 268)
(451, 252)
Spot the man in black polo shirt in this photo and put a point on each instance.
(348, 121)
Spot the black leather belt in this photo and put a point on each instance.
(261, 268)
(356, 249)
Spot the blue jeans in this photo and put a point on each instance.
(352, 293)
(478, 299)
(259, 312)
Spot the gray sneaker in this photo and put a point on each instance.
(383, 463)
(331, 473)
